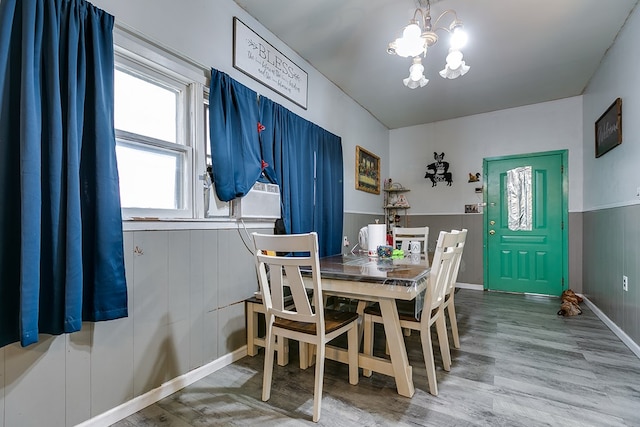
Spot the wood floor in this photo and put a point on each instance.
(519, 365)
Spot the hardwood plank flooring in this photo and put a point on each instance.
(519, 365)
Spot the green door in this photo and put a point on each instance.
(526, 223)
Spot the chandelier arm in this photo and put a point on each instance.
(435, 24)
(415, 14)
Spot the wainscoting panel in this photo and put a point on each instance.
(611, 249)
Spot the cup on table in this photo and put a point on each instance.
(414, 247)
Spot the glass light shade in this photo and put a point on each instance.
(411, 31)
(454, 59)
(449, 73)
(459, 38)
(409, 47)
(411, 43)
(412, 84)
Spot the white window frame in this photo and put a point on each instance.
(137, 55)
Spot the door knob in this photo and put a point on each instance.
(492, 232)
(492, 222)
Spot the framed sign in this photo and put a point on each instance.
(609, 128)
(261, 61)
(367, 171)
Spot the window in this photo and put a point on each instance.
(159, 137)
(152, 156)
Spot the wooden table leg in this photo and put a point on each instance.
(397, 349)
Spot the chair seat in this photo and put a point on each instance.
(333, 320)
(406, 311)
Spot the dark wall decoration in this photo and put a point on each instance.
(609, 128)
(438, 171)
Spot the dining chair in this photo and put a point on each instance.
(279, 259)
(449, 301)
(432, 311)
(404, 235)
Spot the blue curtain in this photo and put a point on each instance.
(307, 161)
(233, 129)
(61, 248)
(328, 214)
(254, 138)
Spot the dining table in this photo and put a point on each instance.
(384, 281)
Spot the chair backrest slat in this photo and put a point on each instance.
(441, 270)
(459, 248)
(276, 272)
(404, 235)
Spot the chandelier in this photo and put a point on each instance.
(420, 34)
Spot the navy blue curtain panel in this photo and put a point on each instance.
(233, 130)
(307, 161)
(61, 243)
(328, 215)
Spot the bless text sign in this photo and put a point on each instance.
(260, 60)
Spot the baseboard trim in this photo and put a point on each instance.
(472, 286)
(152, 396)
(626, 339)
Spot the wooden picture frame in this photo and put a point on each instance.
(260, 60)
(608, 128)
(367, 171)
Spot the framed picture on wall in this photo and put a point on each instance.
(609, 128)
(367, 171)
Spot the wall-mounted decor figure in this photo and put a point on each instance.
(474, 177)
(438, 171)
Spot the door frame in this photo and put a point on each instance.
(565, 209)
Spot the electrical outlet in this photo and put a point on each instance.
(345, 241)
(625, 283)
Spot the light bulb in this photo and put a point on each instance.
(458, 38)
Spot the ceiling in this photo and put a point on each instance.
(520, 52)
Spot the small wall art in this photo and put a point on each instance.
(471, 209)
(438, 171)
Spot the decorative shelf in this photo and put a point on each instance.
(391, 214)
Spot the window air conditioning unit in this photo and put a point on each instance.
(261, 202)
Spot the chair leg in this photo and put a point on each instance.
(352, 337)
(282, 347)
(429, 363)
(268, 363)
(451, 308)
(252, 329)
(367, 347)
(317, 392)
(303, 349)
(443, 340)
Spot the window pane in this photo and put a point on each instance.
(145, 108)
(150, 177)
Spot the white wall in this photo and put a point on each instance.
(466, 141)
(612, 180)
(203, 30)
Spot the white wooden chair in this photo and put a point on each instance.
(404, 235)
(432, 311)
(449, 302)
(303, 322)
